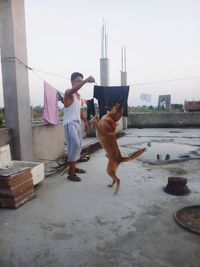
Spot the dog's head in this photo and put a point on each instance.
(116, 112)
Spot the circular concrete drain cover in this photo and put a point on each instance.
(189, 218)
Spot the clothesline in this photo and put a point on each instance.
(106, 96)
(16, 60)
(34, 71)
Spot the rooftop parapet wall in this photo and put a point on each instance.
(164, 120)
(5, 136)
(49, 140)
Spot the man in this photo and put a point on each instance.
(72, 123)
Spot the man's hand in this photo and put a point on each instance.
(90, 79)
(86, 126)
(83, 118)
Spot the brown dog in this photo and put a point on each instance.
(105, 128)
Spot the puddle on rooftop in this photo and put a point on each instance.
(166, 152)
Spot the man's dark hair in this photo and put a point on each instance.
(75, 75)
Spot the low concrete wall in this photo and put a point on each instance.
(5, 136)
(48, 142)
(164, 120)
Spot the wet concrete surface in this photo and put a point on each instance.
(84, 224)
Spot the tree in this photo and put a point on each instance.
(38, 109)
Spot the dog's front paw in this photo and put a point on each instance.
(94, 121)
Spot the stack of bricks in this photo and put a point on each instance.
(16, 187)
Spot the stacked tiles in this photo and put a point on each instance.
(16, 187)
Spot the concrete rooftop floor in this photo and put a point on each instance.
(84, 224)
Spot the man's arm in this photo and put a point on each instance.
(78, 86)
(68, 97)
(83, 118)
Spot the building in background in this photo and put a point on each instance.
(164, 102)
(192, 106)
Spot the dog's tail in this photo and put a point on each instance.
(134, 155)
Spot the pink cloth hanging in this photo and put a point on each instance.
(51, 111)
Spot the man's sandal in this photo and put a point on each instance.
(74, 178)
(84, 158)
(77, 170)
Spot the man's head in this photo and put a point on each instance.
(76, 77)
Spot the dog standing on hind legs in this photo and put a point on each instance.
(105, 128)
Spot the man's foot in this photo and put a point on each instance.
(74, 178)
(77, 170)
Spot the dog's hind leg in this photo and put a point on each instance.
(111, 170)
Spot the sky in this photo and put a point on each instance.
(162, 39)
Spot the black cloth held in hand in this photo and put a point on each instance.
(107, 96)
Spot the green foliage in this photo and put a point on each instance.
(38, 109)
(61, 114)
(151, 109)
(177, 107)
